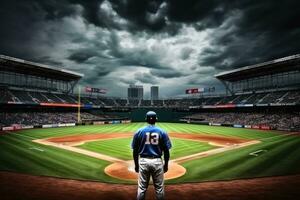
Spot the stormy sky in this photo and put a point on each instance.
(174, 44)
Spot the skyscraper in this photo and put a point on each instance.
(154, 92)
(135, 92)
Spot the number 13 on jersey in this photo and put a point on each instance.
(152, 138)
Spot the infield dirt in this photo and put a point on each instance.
(122, 169)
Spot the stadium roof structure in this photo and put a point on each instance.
(285, 64)
(17, 65)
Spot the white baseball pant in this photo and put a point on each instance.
(151, 167)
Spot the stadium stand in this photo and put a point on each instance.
(5, 96)
(290, 98)
(211, 101)
(158, 103)
(273, 85)
(171, 102)
(67, 98)
(146, 103)
(108, 101)
(38, 97)
(280, 121)
(40, 118)
(134, 102)
(283, 97)
(21, 96)
(121, 102)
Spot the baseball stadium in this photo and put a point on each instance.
(59, 142)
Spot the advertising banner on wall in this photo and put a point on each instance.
(255, 126)
(8, 128)
(27, 127)
(125, 121)
(237, 126)
(215, 124)
(47, 126)
(265, 127)
(17, 126)
(95, 90)
(99, 123)
(60, 104)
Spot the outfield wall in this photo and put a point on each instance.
(259, 126)
(20, 127)
(163, 114)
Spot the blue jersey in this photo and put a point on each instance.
(151, 141)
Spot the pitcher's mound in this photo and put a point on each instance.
(125, 170)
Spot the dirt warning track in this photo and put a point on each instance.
(123, 169)
(15, 186)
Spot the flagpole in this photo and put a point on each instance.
(79, 104)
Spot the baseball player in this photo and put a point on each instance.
(149, 144)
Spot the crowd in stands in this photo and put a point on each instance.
(274, 120)
(40, 118)
(121, 102)
(279, 97)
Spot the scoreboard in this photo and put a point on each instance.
(95, 90)
(199, 90)
(194, 90)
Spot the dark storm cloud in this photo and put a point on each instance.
(14, 17)
(266, 30)
(155, 40)
(97, 69)
(145, 78)
(82, 55)
(95, 74)
(21, 22)
(91, 10)
(195, 10)
(48, 61)
(166, 73)
(128, 81)
(139, 56)
(142, 12)
(54, 9)
(186, 52)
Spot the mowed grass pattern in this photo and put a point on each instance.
(18, 153)
(118, 148)
(282, 157)
(121, 148)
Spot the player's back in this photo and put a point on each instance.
(150, 141)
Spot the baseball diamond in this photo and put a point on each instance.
(102, 153)
(121, 168)
(199, 152)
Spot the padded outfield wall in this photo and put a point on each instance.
(164, 114)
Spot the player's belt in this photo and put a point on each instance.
(150, 157)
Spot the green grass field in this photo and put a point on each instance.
(20, 154)
(119, 147)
